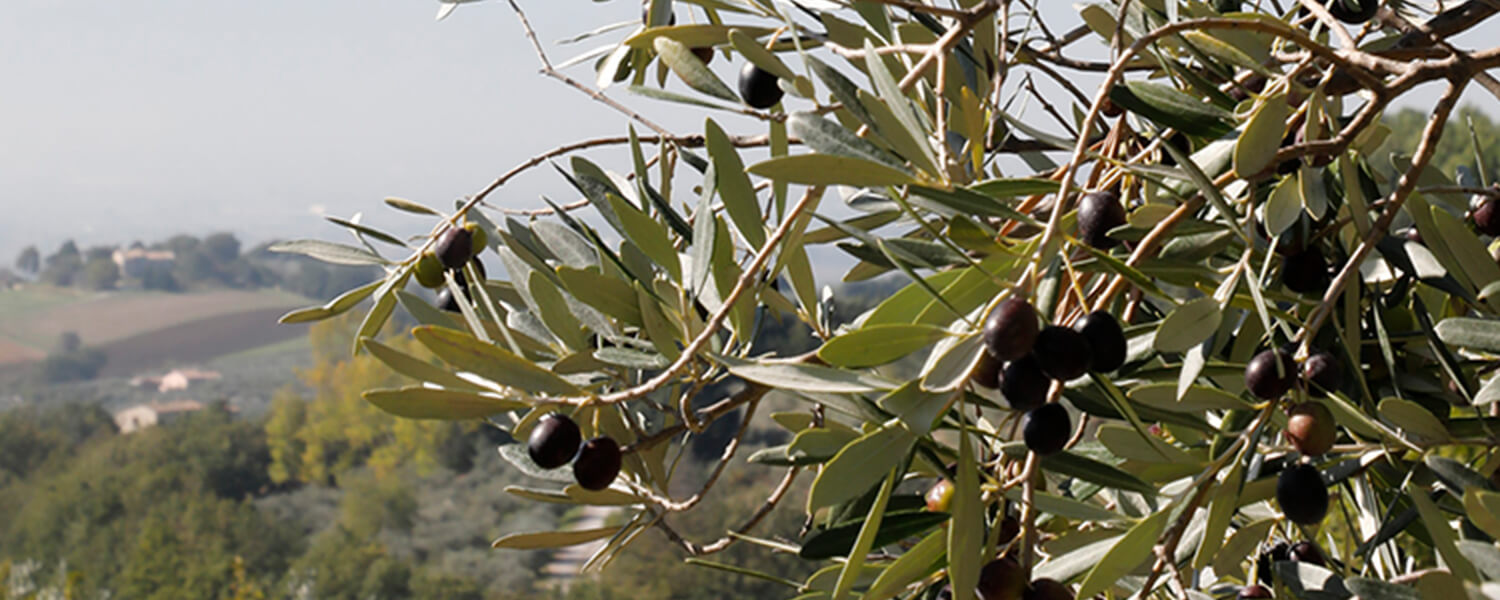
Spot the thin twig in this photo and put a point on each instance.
(1404, 187)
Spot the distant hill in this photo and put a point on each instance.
(141, 329)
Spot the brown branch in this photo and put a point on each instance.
(671, 505)
(1404, 187)
(755, 518)
(1444, 25)
(549, 71)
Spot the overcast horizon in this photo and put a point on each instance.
(137, 121)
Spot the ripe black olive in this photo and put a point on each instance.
(1023, 383)
(1262, 378)
(758, 87)
(1323, 374)
(1106, 340)
(1301, 494)
(446, 302)
(987, 373)
(554, 440)
(1063, 353)
(1011, 329)
(1047, 429)
(1047, 589)
(1099, 212)
(597, 463)
(1353, 12)
(1002, 579)
(1487, 216)
(1305, 272)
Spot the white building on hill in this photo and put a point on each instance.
(142, 416)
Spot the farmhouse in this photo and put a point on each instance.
(177, 379)
(142, 416)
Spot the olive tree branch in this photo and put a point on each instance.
(670, 505)
(1117, 71)
(1404, 187)
(748, 278)
(734, 535)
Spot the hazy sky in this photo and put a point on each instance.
(124, 120)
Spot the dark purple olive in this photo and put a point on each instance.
(1099, 212)
(554, 440)
(1308, 553)
(597, 463)
(1487, 216)
(1353, 12)
(1305, 272)
(1301, 494)
(1107, 344)
(1002, 579)
(1023, 383)
(758, 87)
(1011, 329)
(1047, 589)
(1047, 429)
(455, 247)
(987, 373)
(1262, 377)
(1323, 373)
(445, 300)
(1254, 591)
(1063, 353)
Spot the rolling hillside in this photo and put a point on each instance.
(140, 330)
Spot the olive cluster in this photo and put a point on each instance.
(455, 247)
(1005, 579)
(1311, 428)
(1022, 358)
(1304, 552)
(556, 441)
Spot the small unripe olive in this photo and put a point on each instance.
(478, 239)
(1311, 429)
(1301, 494)
(1010, 330)
(428, 270)
(1047, 429)
(939, 496)
(1262, 377)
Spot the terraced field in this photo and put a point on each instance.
(143, 329)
